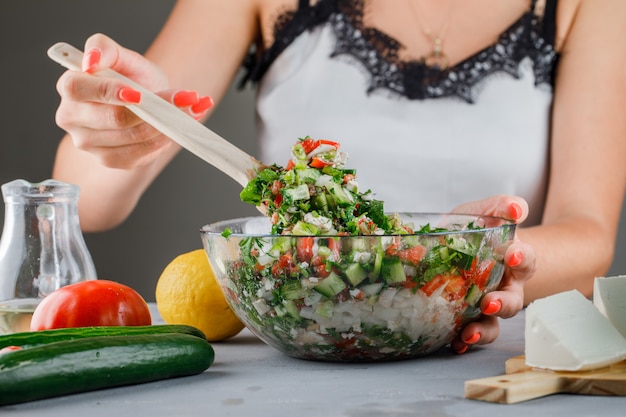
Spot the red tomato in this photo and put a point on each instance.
(329, 142)
(479, 274)
(318, 163)
(309, 144)
(91, 303)
(413, 254)
(304, 248)
(456, 287)
(436, 282)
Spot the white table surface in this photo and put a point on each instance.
(250, 378)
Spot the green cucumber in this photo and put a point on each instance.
(392, 271)
(74, 366)
(355, 273)
(30, 339)
(473, 295)
(331, 285)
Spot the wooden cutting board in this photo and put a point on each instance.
(523, 383)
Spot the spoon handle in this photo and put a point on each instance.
(173, 122)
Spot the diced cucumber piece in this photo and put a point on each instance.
(324, 251)
(392, 270)
(282, 244)
(331, 285)
(341, 196)
(308, 175)
(302, 228)
(355, 273)
(320, 202)
(473, 295)
(378, 264)
(291, 308)
(299, 192)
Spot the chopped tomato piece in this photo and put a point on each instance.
(413, 255)
(456, 287)
(284, 265)
(304, 248)
(409, 284)
(437, 281)
(278, 200)
(479, 274)
(290, 165)
(329, 142)
(276, 187)
(309, 144)
(359, 295)
(321, 271)
(392, 249)
(483, 273)
(318, 163)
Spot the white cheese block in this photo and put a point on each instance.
(566, 332)
(609, 296)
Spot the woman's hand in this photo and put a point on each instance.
(520, 265)
(92, 108)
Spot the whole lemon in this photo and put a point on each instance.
(187, 292)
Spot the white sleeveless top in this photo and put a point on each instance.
(456, 144)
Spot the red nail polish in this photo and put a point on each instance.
(92, 60)
(204, 104)
(472, 339)
(186, 98)
(515, 259)
(492, 307)
(129, 95)
(462, 350)
(515, 211)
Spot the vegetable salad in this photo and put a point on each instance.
(314, 194)
(332, 277)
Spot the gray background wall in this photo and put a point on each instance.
(187, 195)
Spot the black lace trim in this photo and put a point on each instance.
(378, 53)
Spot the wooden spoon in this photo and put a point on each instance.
(173, 122)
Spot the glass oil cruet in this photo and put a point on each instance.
(42, 248)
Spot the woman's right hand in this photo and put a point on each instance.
(92, 108)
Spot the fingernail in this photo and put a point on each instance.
(492, 307)
(186, 98)
(204, 104)
(129, 95)
(472, 339)
(462, 350)
(92, 60)
(515, 211)
(515, 259)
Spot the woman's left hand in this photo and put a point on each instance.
(520, 265)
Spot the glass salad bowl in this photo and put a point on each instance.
(359, 298)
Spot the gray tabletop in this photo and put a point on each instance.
(250, 378)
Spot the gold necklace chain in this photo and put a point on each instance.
(436, 58)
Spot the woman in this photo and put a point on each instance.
(438, 102)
